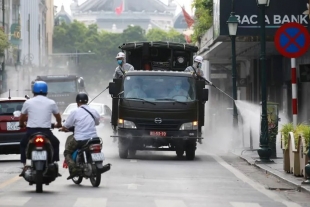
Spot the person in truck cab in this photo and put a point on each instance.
(136, 92)
(196, 67)
(122, 67)
(39, 110)
(178, 90)
(84, 120)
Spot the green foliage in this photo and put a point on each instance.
(4, 41)
(99, 67)
(160, 35)
(203, 18)
(285, 130)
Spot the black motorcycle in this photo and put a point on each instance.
(89, 159)
(42, 170)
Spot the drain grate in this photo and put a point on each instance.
(281, 189)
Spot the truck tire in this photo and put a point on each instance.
(190, 150)
(132, 152)
(122, 149)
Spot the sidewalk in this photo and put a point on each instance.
(275, 168)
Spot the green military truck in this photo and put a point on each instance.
(63, 88)
(162, 108)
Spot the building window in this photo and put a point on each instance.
(15, 12)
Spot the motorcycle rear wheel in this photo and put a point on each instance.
(95, 179)
(39, 181)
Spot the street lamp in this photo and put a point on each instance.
(232, 27)
(264, 152)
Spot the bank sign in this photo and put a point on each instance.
(278, 13)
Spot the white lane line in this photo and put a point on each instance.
(170, 203)
(133, 161)
(93, 202)
(239, 204)
(132, 186)
(14, 201)
(257, 186)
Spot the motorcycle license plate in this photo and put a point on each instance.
(38, 155)
(97, 156)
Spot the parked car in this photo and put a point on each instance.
(10, 132)
(103, 110)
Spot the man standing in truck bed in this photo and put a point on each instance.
(122, 67)
(196, 67)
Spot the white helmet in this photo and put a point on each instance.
(120, 55)
(198, 59)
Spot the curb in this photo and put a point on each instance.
(299, 187)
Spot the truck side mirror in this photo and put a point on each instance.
(205, 94)
(112, 88)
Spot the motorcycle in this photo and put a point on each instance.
(43, 170)
(89, 159)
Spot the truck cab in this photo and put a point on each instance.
(158, 106)
(63, 88)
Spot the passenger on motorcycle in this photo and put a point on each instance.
(39, 110)
(84, 120)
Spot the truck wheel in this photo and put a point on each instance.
(132, 152)
(122, 149)
(190, 150)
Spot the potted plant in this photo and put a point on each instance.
(285, 130)
(303, 147)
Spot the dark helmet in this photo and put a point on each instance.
(81, 98)
(39, 87)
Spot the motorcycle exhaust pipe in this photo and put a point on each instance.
(105, 168)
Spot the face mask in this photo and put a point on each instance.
(119, 62)
(199, 65)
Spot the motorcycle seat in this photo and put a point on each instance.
(93, 140)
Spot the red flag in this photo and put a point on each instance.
(120, 9)
(189, 20)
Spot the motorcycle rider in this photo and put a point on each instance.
(39, 110)
(196, 67)
(122, 67)
(84, 120)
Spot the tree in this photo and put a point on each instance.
(99, 67)
(203, 18)
(4, 41)
(172, 35)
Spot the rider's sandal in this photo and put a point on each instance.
(25, 168)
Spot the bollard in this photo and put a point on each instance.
(307, 168)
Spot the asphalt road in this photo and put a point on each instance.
(154, 179)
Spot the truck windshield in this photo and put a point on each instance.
(67, 86)
(160, 88)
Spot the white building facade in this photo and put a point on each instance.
(33, 33)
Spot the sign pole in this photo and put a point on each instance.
(294, 91)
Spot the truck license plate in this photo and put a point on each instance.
(38, 155)
(160, 134)
(12, 126)
(97, 156)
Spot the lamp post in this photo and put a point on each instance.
(264, 152)
(232, 27)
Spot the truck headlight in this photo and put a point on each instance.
(126, 124)
(189, 126)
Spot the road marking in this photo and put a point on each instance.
(133, 160)
(8, 182)
(239, 204)
(257, 186)
(93, 202)
(14, 201)
(132, 186)
(170, 203)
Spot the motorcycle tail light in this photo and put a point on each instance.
(39, 141)
(95, 147)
